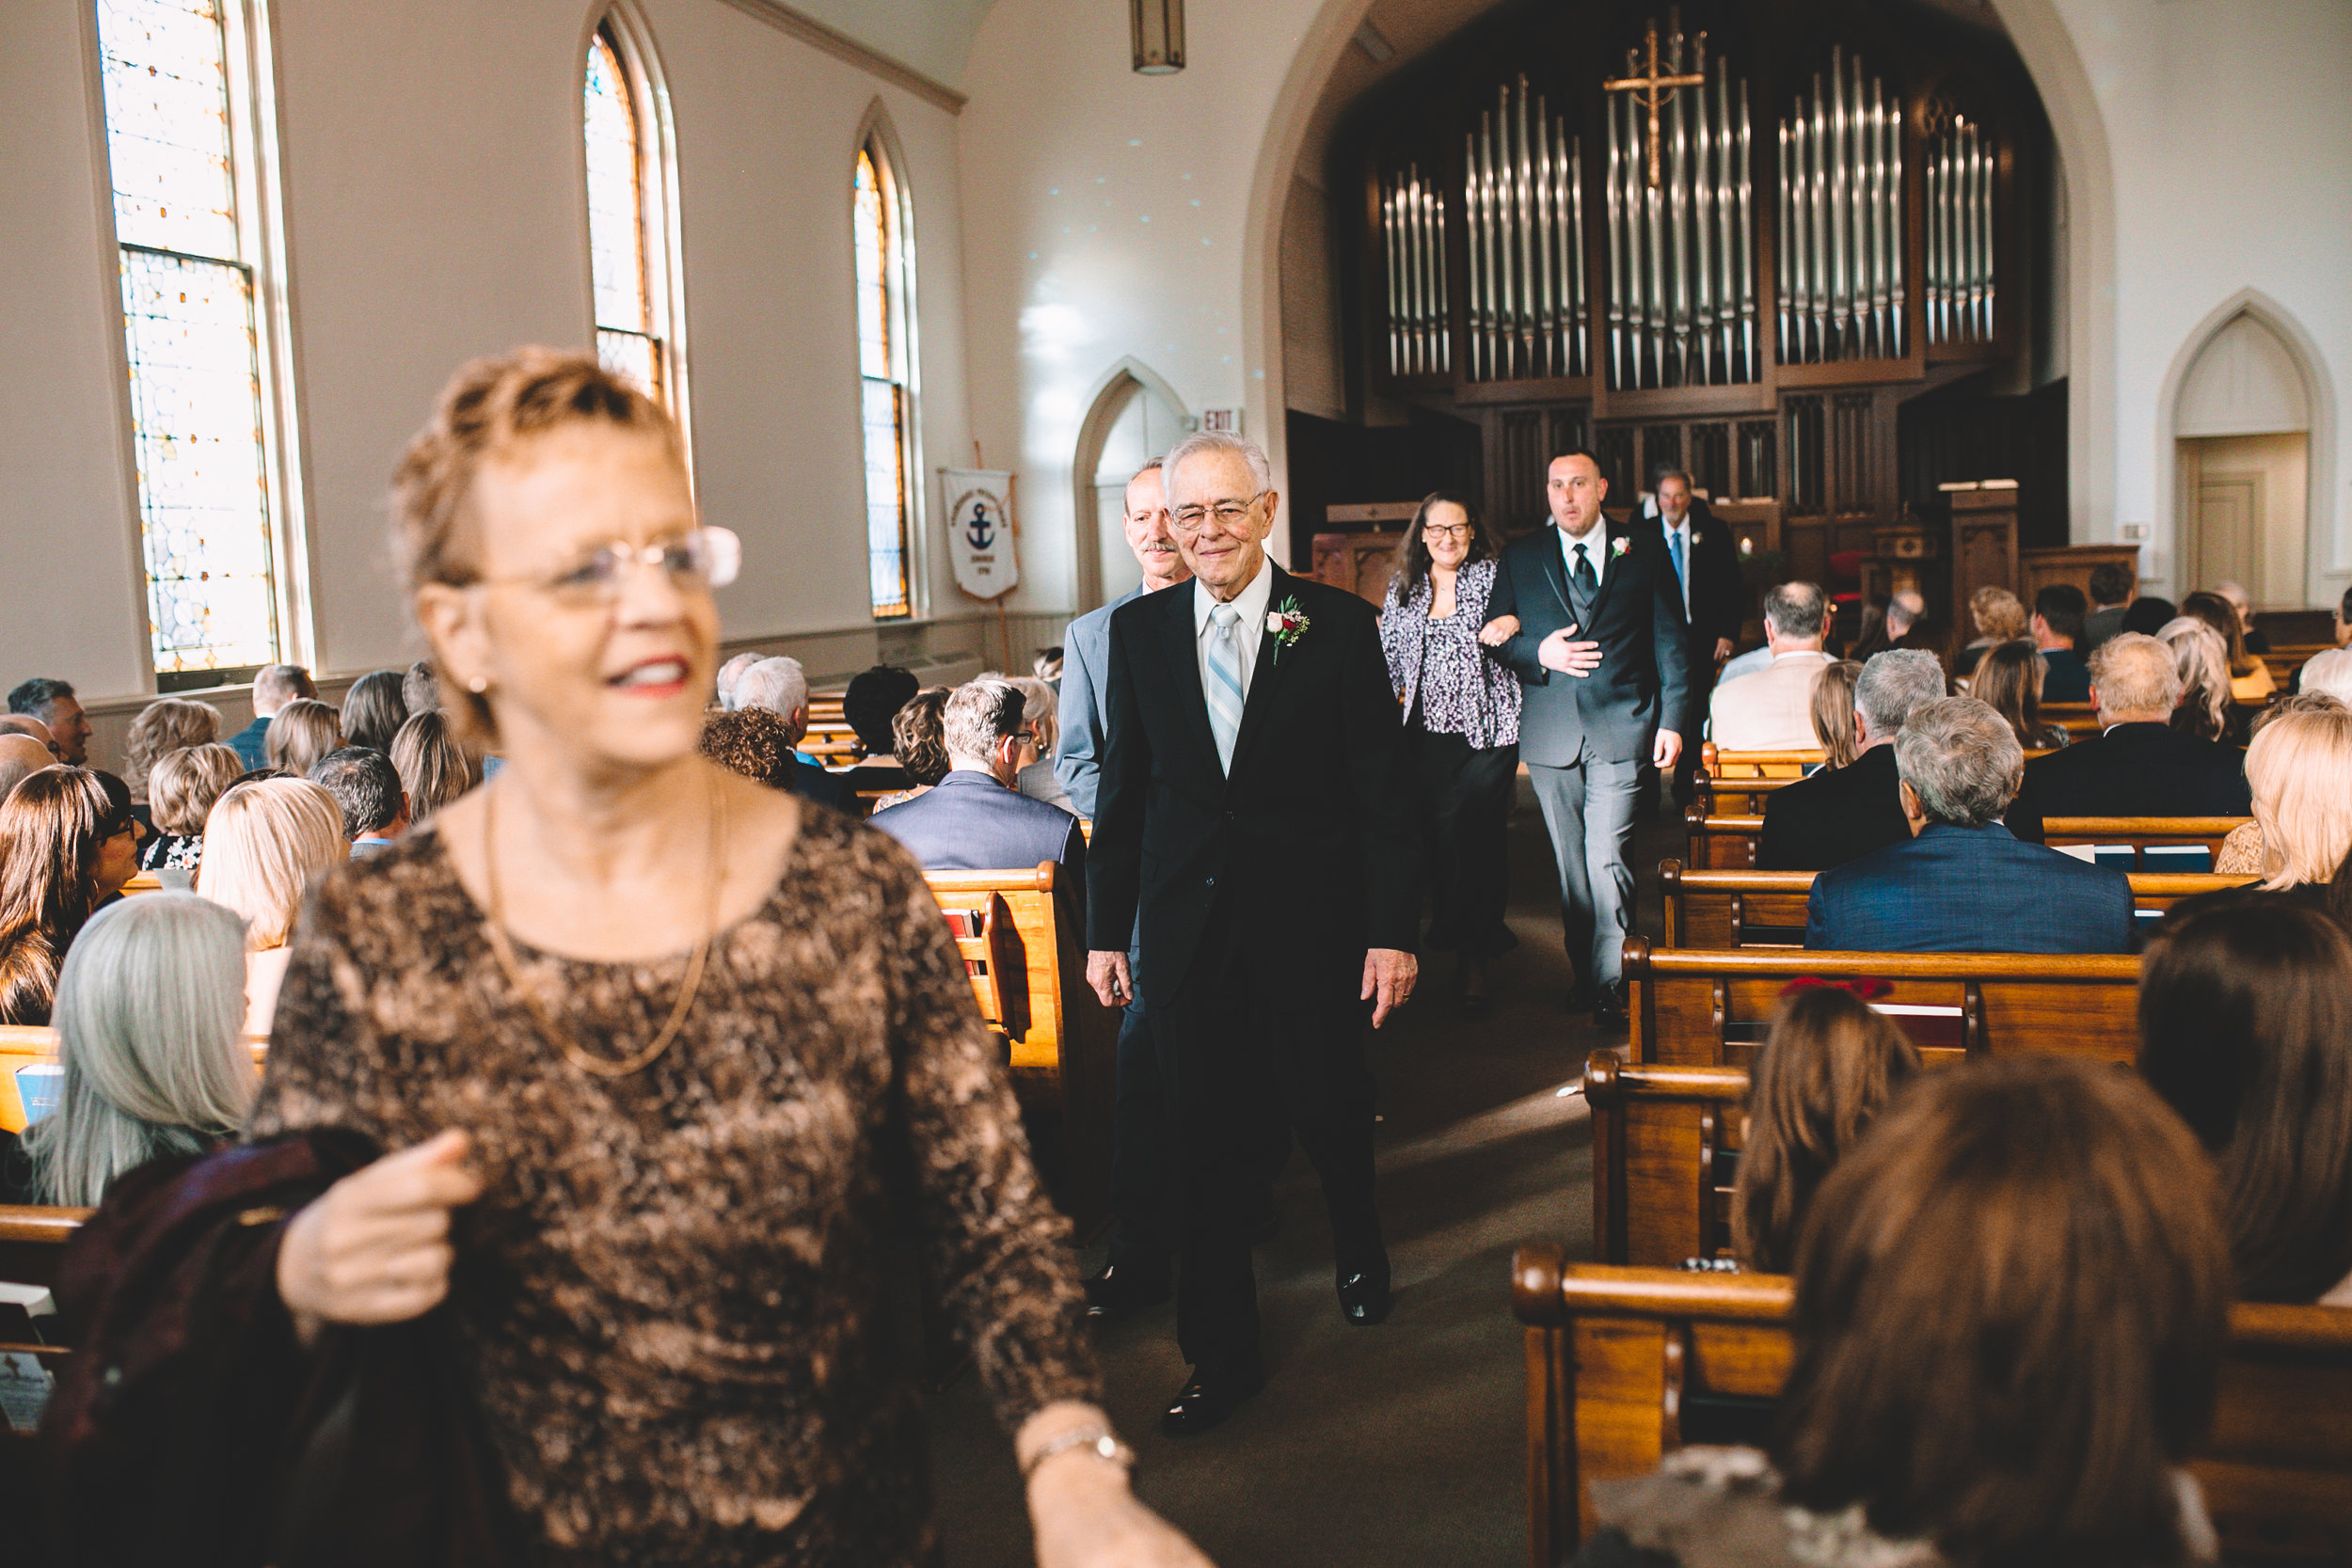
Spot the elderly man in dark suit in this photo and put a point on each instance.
(1603, 655)
(2138, 765)
(1843, 814)
(1964, 883)
(1706, 561)
(1253, 816)
(974, 819)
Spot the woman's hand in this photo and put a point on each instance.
(1500, 630)
(374, 1247)
(1085, 1517)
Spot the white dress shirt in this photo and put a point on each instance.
(1596, 550)
(1252, 602)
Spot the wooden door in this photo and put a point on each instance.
(2229, 527)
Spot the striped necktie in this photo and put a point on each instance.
(1224, 682)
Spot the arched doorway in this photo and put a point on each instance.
(2241, 427)
(1134, 418)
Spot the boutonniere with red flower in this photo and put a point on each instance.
(1621, 543)
(1286, 624)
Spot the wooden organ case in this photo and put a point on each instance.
(1796, 246)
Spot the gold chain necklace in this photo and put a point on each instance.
(555, 1033)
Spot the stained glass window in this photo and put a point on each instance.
(197, 414)
(626, 337)
(882, 363)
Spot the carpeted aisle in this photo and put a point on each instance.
(1396, 1445)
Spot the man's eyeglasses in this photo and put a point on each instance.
(706, 557)
(1231, 517)
(1434, 531)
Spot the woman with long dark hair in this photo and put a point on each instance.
(66, 844)
(2008, 681)
(1461, 706)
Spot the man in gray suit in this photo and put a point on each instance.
(1141, 1244)
(1602, 653)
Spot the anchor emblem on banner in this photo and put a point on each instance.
(981, 536)
(981, 529)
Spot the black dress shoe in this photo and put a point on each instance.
(1206, 1398)
(1116, 1292)
(1365, 1299)
(1609, 1010)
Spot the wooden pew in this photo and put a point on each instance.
(1665, 1147)
(1615, 1356)
(1062, 1041)
(1734, 796)
(1719, 843)
(33, 1239)
(1766, 908)
(2142, 833)
(1695, 1007)
(1728, 768)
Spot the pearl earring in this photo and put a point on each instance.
(477, 684)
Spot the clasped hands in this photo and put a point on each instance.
(1389, 978)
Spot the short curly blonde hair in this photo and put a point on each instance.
(491, 406)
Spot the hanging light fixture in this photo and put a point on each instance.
(1159, 31)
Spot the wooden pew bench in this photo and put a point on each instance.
(1027, 964)
(1766, 908)
(1723, 773)
(2153, 843)
(1693, 1006)
(1666, 1144)
(1719, 842)
(1620, 1359)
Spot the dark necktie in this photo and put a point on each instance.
(1583, 585)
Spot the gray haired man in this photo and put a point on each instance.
(1844, 813)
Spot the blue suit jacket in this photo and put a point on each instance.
(1969, 890)
(970, 822)
(1084, 660)
(249, 744)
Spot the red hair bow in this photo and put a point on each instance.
(1863, 986)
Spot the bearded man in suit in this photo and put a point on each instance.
(1602, 652)
(1251, 832)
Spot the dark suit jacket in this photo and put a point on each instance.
(1719, 594)
(1969, 890)
(1306, 849)
(811, 783)
(2098, 627)
(2069, 680)
(1641, 685)
(2132, 770)
(249, 743)
(1835, 817)
(970, 822)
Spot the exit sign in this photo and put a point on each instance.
(1224, 422)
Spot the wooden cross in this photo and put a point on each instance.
(1650, 86)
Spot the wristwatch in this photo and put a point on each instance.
(1098, 1439)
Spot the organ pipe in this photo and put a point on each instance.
(1840, 293)
(1681, 306)
(1412, 226)
(1525, 211)
(1960, 292)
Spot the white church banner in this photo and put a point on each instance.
(979, 531)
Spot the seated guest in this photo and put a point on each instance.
(2300, 840)
(2012, 1306)
(273, 687)
(1039, 711)
(1999, 616)
(419, 692)
(65, 847)
(2202, 660)
(1902, 624)
(2008, 680)
(264, 843)
(2339, 630)
(53, 704)
(164, 725)
(304, 731)
(2138, 764)
(756, 742)
(1772, 709)
(366, 787)
(1827, 1069)
(2148, 614)
(434, 769)
(1833, 713)
(1964, 883)
(872, 702)
(1045, 664)
(780, 685)
(181, 791)
(730, 673)
(2250, 680)
(21, 758)
(2111, 585)
(1846, 813)
(975, 820)
(2246, 1027)
(2058, 626)
(2235, 593)
(25, 724)
(149, 1001)
(373, 711)
(2330, 673)
(921, 745)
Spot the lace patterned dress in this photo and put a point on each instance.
(677, 1289)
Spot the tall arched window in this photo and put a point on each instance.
(631, 261)
(885, 367)
(178, 89)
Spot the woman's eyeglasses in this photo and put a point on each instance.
(1434, 531)
(705, 558)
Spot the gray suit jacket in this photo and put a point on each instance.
(1641, 685)
(1085, 658)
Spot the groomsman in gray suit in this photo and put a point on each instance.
(1136, 1274)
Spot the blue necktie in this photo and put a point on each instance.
(1673, 548)
(1224, 682)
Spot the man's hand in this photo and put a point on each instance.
(1389, 977)
(1562, 652)
(1107, 973)
(1495, 633)
(1665, 751)
(1723, 649)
